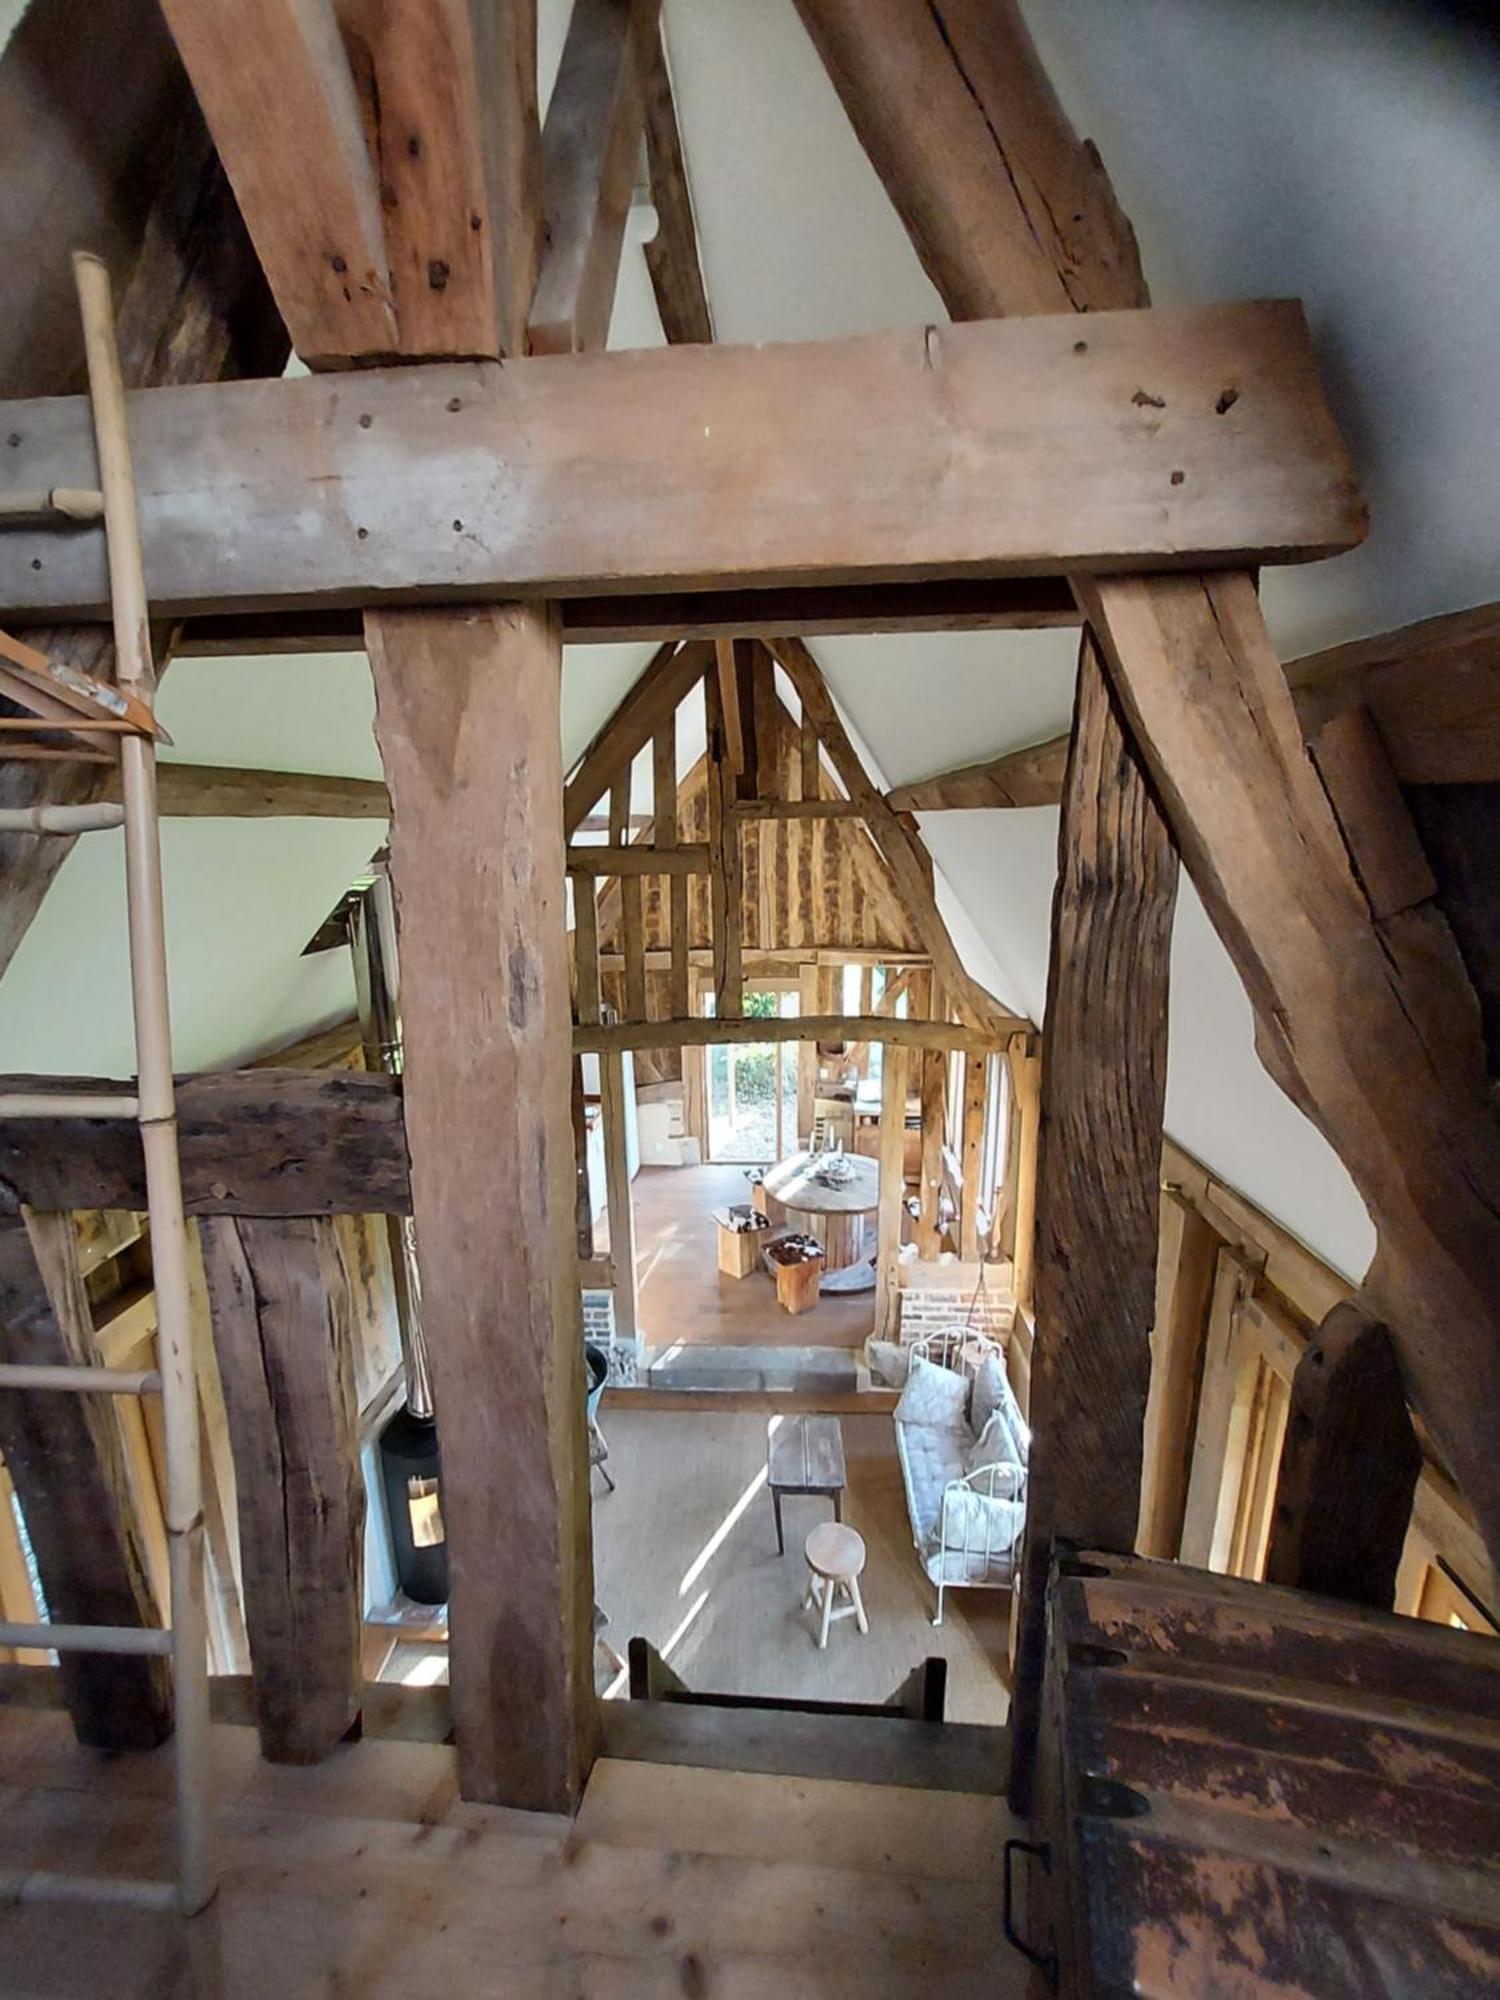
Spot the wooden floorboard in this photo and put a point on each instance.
(685, 1556)
(671, 1881)
(683, 1295)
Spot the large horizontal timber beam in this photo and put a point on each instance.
(699, 1031)
(255, 1142)
(1032, 451)
(953, 604)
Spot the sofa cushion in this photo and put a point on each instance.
(994, 1446)
(988, 1390)
(980, 1522)
(889, 1362)
(934, 1396)
(999, 1395)
(930, 1459)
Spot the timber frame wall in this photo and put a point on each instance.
(416, 225)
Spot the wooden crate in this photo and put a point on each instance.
(739, 1249)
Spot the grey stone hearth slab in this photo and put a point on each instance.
(808, 1370)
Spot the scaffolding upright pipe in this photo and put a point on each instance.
(148, 963)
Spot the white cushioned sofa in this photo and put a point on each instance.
(963, 1446)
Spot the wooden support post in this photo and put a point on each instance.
(976, 1070)
(583, 1200)
(934, 1126)
(468, 718)
(67, 1459)
(1098, 1166)
(724, 861)
(726, 659)
(1026, 1080)
(1204, 1505)
(1185, 1277)
(807, 1052)
(1349, 1467)
(672, 255)
(892, 1192)
(280, 1305)
(664, 811)
(614, 1111)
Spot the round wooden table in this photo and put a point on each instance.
(834, 1215)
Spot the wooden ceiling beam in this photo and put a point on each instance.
(1030, 457)
(659, 692)
(672, 256)
(218, 791)
(899, 847)
(703, 1031)
(960, 604)
(275, 84)
(1029, 777)
(591, 144)
(449, 94)
(253, 1142)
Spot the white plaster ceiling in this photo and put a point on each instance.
(1348, 155)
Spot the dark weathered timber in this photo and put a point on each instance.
(1460, 830)
(1251, 1776)
(468, 717)
(67, 1459)
(102, 146)
(253, 1142)
(961, 604)
(1104, 1080)
(672, 255)
(1349, 1467)
(280, 1305)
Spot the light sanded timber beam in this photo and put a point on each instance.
(1010, 213)
(217, 791)
(705, 1031)
(67, 1459)
(899, 848)
(92, 97)
(1030, 777)
(276, 86)
(689, 859)
(591, 143)
(1030, 457)
(672, 254)
(993, 604)
(449, 95)
(281, 1320)
(1370, 1026)
(670, 673)
(267, 1142)
(468, 713)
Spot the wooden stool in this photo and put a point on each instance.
(835, 1556)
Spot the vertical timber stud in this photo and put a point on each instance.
(1010, 213)
(468, 718)
(67, 1459)
(280, 1305)
(1098, 1162)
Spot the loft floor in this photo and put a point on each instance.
(366, 1876)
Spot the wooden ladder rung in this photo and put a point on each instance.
(88, 1638)
(80, 1379)
(85, 1104)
